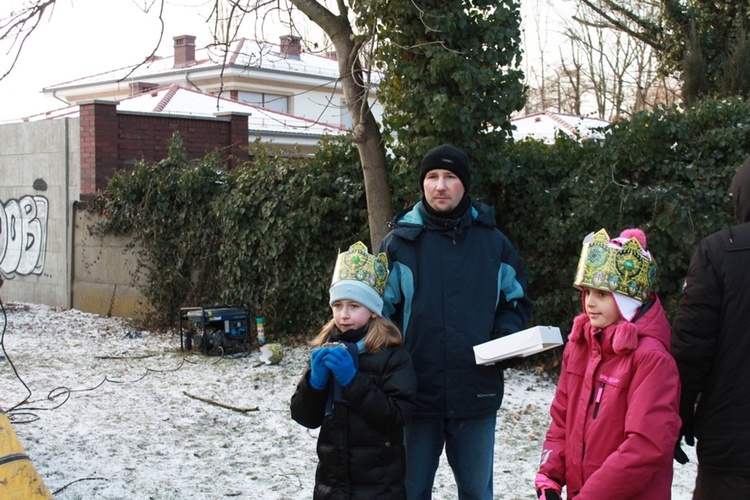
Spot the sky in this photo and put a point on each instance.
(84, 37)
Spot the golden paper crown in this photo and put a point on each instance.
(626, 270)
(357, 264)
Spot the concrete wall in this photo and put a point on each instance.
(39, 179)
(47, 252)
(103, 271)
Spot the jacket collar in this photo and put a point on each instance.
(411, 222)
(625, 336)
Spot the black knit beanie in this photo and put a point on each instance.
(446, 157)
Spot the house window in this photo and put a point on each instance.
(275, 102)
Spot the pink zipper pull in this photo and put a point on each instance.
(598, 399)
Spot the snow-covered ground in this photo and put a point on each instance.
(113, 413)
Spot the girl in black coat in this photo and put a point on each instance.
(359, 389)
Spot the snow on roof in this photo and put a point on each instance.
(179, 101)
(239, 56)
(545, 124)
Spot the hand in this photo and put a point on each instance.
(546, 488)
(548, 495)
(319, 372)
(341, 364)
(687, 432)
(680, 455)
(687, 414)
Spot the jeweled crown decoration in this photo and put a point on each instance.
(624, 270)
(357, 264)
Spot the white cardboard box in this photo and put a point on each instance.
(520, 344)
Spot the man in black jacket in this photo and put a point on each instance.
(456, 282)
(711, 343)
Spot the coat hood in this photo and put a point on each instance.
(741, 192)
(626, 333)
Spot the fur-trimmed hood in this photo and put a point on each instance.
(625, 337)
(626, 334)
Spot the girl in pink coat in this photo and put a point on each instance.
(615, 414)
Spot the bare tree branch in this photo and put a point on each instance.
(616, 24)
(18, 27)
(158, 43)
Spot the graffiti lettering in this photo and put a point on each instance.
(23, 235)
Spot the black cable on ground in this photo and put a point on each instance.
(22, 413)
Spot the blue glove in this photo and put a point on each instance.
(341, 365)
(319, 372)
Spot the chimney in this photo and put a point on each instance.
(291, 46)
(184, 51)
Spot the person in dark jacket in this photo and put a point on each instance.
(456, 281)
(711, 343)
(359, 389)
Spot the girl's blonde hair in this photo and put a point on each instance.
(381, 334)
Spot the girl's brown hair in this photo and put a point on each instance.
(381, 334)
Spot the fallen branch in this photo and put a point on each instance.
(216, 403)
(77, 480)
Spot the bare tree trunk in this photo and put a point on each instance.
(366, 131)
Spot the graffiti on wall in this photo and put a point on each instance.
(23, 235)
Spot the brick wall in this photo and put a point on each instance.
(111, 140)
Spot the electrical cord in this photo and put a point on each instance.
(22, 413)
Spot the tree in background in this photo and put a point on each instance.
(450, 73)
(602, 68)
(702, 42)
(445, 71)
(352, 52)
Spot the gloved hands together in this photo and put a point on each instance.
(341, 364)
(319, 372)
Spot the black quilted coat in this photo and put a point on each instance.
(360, 446)
(711, 342)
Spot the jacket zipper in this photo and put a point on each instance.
(598, 399)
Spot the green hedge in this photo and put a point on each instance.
(267, 234)
(667, 172)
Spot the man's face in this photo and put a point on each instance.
(443, 190)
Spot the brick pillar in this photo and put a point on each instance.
(99, 139)
(238, 140)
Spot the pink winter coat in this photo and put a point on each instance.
(615, 415)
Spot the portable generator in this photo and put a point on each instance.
(215, 330)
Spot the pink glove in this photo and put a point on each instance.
(546, 488)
